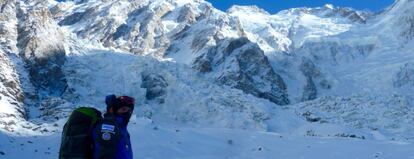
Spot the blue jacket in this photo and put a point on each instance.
(111, 139)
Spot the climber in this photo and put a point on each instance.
(111, 139)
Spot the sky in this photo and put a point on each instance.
(274, 6)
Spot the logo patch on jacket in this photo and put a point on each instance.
(107, 128)
(106, 136)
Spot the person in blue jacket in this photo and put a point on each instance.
(111, 139)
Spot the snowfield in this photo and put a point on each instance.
(153, 141)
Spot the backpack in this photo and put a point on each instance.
(77, 140)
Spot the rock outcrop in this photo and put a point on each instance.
(156, 86)
(12, 108)
(241, 64)
(405, 77)
(41, 46)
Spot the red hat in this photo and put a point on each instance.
(118, 102)
(126, 101)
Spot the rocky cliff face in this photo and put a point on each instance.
(140, 27)
(40, 44)
(241, 64)
(11, 94)
(32, 54)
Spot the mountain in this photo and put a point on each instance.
(302, 70)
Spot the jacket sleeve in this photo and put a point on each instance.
(106, 137)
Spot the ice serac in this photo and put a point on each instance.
(41, 45)
(386, 114)
(241, 64)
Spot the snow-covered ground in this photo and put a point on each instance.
(152, 141)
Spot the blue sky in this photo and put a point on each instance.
(273, 6)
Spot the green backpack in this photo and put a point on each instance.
(77, 140)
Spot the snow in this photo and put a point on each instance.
(185, 56)
(180, 3)
(312, 27)
(152, 141)
(329, 6)
(361, 115)
(115, 11)
(169, 25)
(6, 108)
